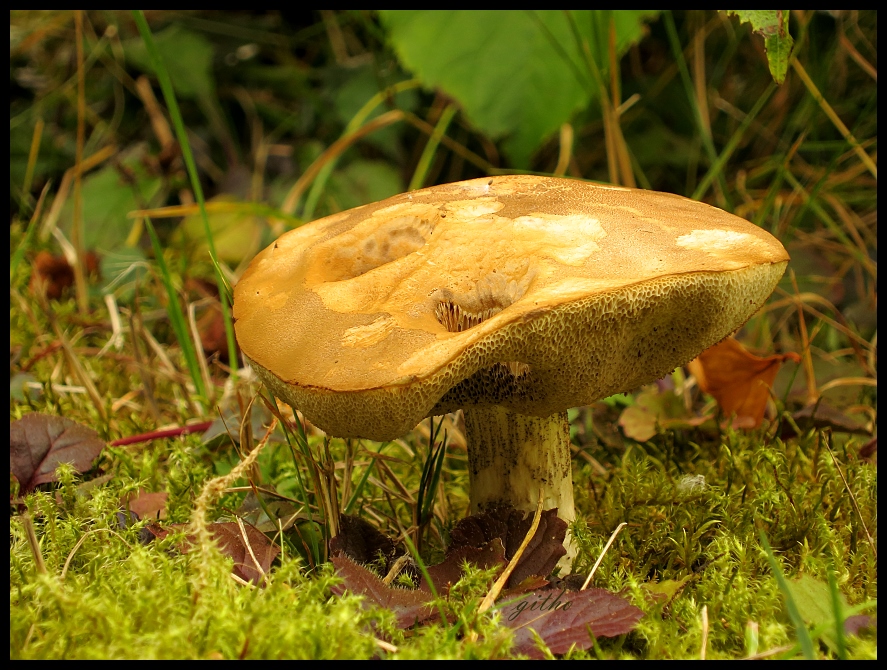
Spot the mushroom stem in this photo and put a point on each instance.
(510, 455)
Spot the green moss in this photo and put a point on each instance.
(698, 519)
(105, 595)
(119, 599)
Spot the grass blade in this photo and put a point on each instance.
(720, 163)
(697, 116)
(430, 149)
(176, 116)
(353, 125)
(355, 496)
(176, 315)
(804, 640)
(837, 610)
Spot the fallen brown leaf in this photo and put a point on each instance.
(869, 451)
(563, 619)
(822, 415)
(506, 523)
(363, 543)
(38, 443)
(54, 274)
(409, 605)
(231, 542)
(444, 575)
(738, 380)
(560, 617)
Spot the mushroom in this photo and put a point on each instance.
(513, 298)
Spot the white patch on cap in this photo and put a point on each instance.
(715, 240)
(370, 334)
(570, 239)
(476, 208)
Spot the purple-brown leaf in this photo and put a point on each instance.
(563, 619)
(854, 624)
(821, 415)
(38, 443)
(362, 542)
(511, 526)
(409, 606)
(230, 541)
(445, 574)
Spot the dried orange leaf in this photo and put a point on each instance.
(738, 380)
(147, 505)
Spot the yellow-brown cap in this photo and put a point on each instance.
(534, 293)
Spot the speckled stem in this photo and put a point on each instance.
(511, 455)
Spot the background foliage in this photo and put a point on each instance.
(115, 319)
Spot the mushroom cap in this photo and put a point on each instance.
(598, 289)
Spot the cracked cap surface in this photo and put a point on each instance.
(534, 293)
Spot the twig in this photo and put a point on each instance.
(395, 569)
(249, 548)
(160, 434)
(33, 543)
(704, 632)
(852, 500)
(385, 646)
(770, 652)
(603, 553)
(499, 584)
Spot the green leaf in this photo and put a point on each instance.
(517, 75)
(666, 590)
(803, 635)
(363, 181)
(188, 57)
(237, 232)
(773, 25)
(814, 601)
(108, 195)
